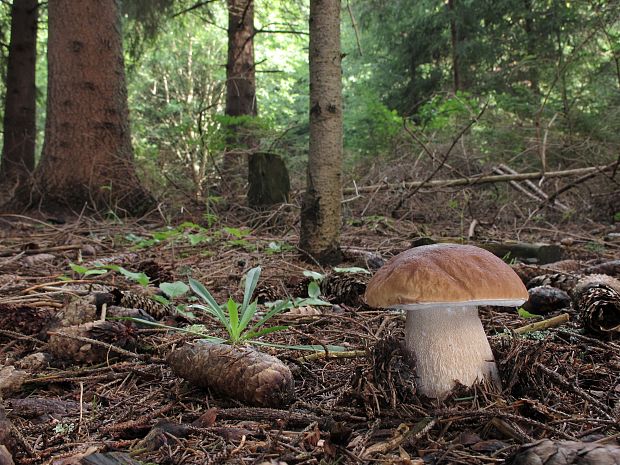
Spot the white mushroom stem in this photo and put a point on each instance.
(449, 345)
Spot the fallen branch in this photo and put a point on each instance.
(544, 324)
(481, 179)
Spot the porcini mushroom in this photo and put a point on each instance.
(440, 287)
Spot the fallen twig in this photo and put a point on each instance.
(544, 324)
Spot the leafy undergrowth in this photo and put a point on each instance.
(352, 406)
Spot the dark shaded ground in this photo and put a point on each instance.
(559, 384)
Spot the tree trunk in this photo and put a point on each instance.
(321, 210)
(20, 106)
(87, 156)
(454, 39)
(268, 180)
(240, 88)
(531, 46)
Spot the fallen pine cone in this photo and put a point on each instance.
(563, 281)
(65, 343)
(597, 299)
(546, 299)
(550, 452)
(345, 288)
(130, 299)
(238, 372)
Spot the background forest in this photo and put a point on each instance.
(459, 86)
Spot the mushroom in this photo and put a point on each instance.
(440, 287)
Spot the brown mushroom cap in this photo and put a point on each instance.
(445, 273)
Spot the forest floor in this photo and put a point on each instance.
(69, 397)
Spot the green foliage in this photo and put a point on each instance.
(100, 269)
(175, 289)
(351, 269)
(525, 314)
(236, 318)
(85, 272)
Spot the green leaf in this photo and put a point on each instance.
(236, 232)
(525, 314)
(87, 271)
(175, 289)
(351, 269)
(213, 307)
(251, 279)
(300, 302)
(314, 290)
(233, 316)
(195, 239)
(247, 316)
(78, 268)
(278, 307)
(312, 347)
(95, 272)
(314, 275)
(194, 329)
(140, 278)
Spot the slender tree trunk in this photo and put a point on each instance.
(531, 46)
(321, 210)
(240, 87)
(87, 156)
(454, 39)
(20, 105)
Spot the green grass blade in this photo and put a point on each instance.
(251, 279)
(313, 347)
(219, 340)
(247, 316)
(202, 292)
(233, 317)
(277, 308)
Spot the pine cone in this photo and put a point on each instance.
(241, 373)
(32, 321)
(131, 300)
(266, 292)
(546, 299)
(597, 299)
(564, 281)
(298, 287)
(63, 346)
(344, 288)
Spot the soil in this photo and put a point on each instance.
(359, 406)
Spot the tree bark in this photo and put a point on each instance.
(20, 106)
(240, 88)
(240, 72)
(454, 39)
(321, 210)
(87, 156)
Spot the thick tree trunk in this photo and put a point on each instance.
(20, 106)
(240, 73)
(321, 210)
(240, 88)
(87, 155)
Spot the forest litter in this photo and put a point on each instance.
(110, 354)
